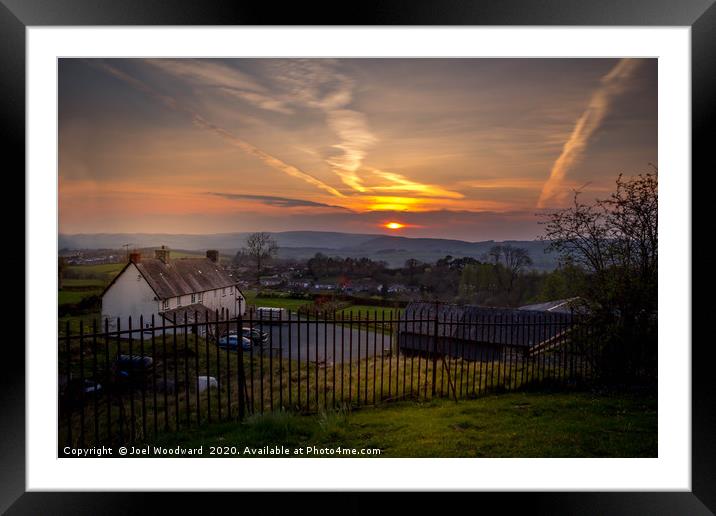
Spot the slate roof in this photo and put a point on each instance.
(484, 324)
(183, 276)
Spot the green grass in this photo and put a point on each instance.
(370, 311)
(84, 284)
(365, 308)
(97, 270)
(85, 281)
(71, 297)
(74, 320)
(272, 383)
(276, 302)
(516, 423)
(506, 425)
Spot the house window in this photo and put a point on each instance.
(223, 292)
(179, 301)
(165, 304)
(193, 299)
(201, 297)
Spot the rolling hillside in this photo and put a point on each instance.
(304, 244)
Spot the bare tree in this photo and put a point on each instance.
(509, 262)
(260, 247)
(615, 240)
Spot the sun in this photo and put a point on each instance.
(394, 225)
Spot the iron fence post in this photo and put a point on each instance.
(435, 350)
(242, 377)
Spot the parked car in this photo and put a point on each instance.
(231, 341)
(76, 386)
(258, 337)
(132, 366)
(73, 393)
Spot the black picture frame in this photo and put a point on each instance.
(700, 15)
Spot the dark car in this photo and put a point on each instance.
(132, 366)
(75, 391)
(258, 337)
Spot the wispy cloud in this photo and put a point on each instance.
(612, 84)
(319, 84)
(207, 73)
(503, 184)
(260, 100)
(312, 84)
(352, 128)
(271, 200)
(264, 156)
(400, 183)
(202, 75)
(228, 136)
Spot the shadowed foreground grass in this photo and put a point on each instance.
(506, 425)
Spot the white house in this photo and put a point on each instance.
(171, 290)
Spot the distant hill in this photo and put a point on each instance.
(222, 241)
(394, 250)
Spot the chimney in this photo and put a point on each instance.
(213, 255)
(135, 257)
(162, 254)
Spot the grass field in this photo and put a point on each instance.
(88, 283)
(74, 320)
(370, 311)
(295, 304)
(71, 297)
(96, 271)
(277, 302)
(506, 425)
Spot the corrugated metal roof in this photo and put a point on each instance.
(183, 276)
(483, 323)
(560, 305)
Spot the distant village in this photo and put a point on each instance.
(294, 277)
(502, 277)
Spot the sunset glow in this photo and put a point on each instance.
(227, 145)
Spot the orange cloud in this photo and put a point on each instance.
(503, 184)
(200, 121)
(613, 84)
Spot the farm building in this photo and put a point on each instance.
(479, 332)
(562, 306)
(171, 290)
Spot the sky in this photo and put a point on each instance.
(473, 149)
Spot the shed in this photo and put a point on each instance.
(477, 332)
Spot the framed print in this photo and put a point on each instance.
(417, 249)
